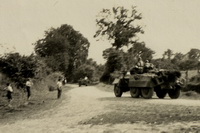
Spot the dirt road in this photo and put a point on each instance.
(89, 110)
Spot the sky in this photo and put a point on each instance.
(168, 24)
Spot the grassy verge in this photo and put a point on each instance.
(41, 100)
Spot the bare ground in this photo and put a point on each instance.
(91, 109)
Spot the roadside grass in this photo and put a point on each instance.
(191, 73)
(42, 99)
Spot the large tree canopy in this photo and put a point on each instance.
(64, 49)
(118, 25)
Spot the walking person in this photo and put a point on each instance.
(59, 88)
(9, 90)
(64, 81)
(28, 88)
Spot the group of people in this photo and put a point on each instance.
(28, 85)
(142, 67)
(9, 91)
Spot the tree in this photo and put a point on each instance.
(117, 25)
(178, 57)
(64, 49)
(192, 60)
(114, 63)
(164, 64)
(188, 64)
(168, 53)
(194, 54)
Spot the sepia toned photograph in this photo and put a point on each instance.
(99, 66)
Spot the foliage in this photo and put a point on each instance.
(3, 81)
(168, 53)
(58, 62)
(179, 61)
(193, 84)
(83, 71)
(117, 25)
(42, 69)
(64, 49)
(18, 67)
(178, 57)
(90, 69)
(164, 64)
(138, 49)
(98, 69)
(114, 62)
(188, 64)
(194, 54)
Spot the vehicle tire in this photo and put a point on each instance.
(161, 93)
(117, 90)
(135, 92)
(147, 93)
(174, 93)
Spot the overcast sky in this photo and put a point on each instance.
(168, 24)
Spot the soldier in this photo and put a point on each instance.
(140, 65)
(59, 87)
(29, 83)
(148, 66)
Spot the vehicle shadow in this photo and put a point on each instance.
(129, 98)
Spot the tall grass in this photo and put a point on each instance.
(39, 89)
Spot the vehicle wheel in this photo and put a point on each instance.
(147, 93)
(117, 90)
(174, 93)
(135, 92)
(161, 93)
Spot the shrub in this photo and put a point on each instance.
(193, 84)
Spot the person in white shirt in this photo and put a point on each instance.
(9, 93)
(28, 88)
(59, 88)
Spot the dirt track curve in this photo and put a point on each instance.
(89, 110)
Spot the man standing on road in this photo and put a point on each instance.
(28, 88)
(59, 88)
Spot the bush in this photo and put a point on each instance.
(18, 68)
(193, 84)
(50, 80)
(84, 71)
